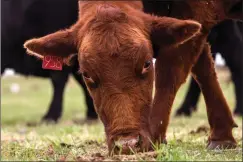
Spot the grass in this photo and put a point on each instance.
(71, 142)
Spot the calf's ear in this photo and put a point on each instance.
(61, 43)
(167, 31)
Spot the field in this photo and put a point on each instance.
(69, 141)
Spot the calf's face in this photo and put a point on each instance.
(115, 58)
(118, 72)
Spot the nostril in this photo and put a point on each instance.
(134, 142)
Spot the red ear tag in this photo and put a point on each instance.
(52, 62)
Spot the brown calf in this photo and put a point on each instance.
(113, 42)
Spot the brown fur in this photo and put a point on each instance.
(173, 66)
(113, 42)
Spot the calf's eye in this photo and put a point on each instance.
(146, 67)
(87, 77)
(85, 74)
(89, 80)
(147, 64)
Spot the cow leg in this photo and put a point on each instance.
(172, 67)
(191, 99)
(238, 81)
(171, 70)
(219, 116)
(59, 80)
(91, 113)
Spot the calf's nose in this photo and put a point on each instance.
(127, 145)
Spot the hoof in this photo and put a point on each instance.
(221, 145)
(49, 119)
(48, 122)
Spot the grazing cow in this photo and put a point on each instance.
(119, 72)
(30, 20)
(225, 38)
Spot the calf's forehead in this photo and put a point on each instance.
(111, 36)
(125, 54)
(125, 61)
(123, 45)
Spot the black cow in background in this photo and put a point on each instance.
(25, 19)
(225, 38)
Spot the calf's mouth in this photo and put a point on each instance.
(126, 144)
(130, 143)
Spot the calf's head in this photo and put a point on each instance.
(115, 57)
